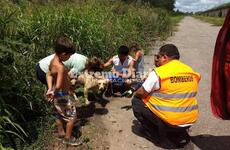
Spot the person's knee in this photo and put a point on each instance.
(136, 102)
(137, 110)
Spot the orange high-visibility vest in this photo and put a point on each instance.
(175, 101)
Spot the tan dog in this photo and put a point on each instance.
(91, 81)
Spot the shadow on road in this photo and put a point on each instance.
(86, 111)
(138, 130)
(210, 142)
(154, 138)
(90, 110)
(204, 142)
(127, 107)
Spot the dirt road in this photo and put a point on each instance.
(195, 41)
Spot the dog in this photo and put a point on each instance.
(91, 79)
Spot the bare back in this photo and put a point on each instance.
(59, 72)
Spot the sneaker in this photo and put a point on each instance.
(181, 140)
(72, 141)
(128, 93)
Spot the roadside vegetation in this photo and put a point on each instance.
(176, 17)
(217, 21)
(27, 31)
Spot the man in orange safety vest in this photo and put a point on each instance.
(166, 99)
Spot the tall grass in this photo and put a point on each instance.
(176, 17)
(27, 32)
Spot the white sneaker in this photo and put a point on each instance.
(128, 93)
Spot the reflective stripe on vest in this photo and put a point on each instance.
(169, 96)
(175, 109)
(175, 101)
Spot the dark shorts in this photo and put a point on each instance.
(41, 75)
(144, 115)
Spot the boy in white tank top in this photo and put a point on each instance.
(122, 68)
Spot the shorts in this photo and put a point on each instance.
(64, 107)
(41, 75)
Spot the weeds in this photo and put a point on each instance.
(217, 21)
(27, 32)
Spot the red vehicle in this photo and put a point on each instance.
(220, 92)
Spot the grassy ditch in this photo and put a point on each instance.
(27, 31)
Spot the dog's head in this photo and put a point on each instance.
(94, 64)
(102, 84)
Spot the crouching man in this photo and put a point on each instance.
(122, 71)
(166, 103)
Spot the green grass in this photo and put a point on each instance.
(176, 19)
(217, 21)
(27, 31)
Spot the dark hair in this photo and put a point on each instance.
(64, 45)
(170, 50)
(135, 46)
(123, 50)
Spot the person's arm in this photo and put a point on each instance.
(49, 80)
(137, 56)
(108, 63)
(60, 73)
(151, 84)
(141, 93)
(130, 70)
(50, 93)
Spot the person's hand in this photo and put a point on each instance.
(49, 95)
(144, 78)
